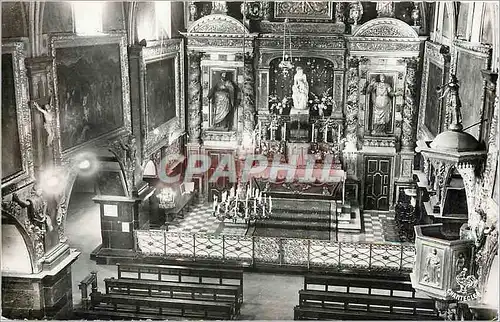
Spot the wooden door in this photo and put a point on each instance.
(223, 183)
(377, 183)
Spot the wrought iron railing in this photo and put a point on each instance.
(284, 252)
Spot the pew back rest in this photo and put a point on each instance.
(235, 276)
(357, 282)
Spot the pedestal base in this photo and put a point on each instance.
(45, 295)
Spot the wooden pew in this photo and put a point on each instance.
(210, 292)
(367, 302)
(317, 313)
(133, 306)
(223, 275)
(394, 284)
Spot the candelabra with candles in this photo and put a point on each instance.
(247, 204)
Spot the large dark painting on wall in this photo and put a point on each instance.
(433, 104)
(160, 82)
(90, 92)
(11, 150)
(471, 89)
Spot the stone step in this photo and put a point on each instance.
(269, 223)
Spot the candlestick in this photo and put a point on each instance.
(325, 135)
(338, 135)
(312, 133)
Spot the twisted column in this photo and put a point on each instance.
(352, 104)
(248, 98)
(408, 135)
(194, 97)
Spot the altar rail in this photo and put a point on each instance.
(273, 251)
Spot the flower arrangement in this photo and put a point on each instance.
(277, 106)
(322, 103)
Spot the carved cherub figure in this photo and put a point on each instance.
(37, 207)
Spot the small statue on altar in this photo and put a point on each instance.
(300, 90)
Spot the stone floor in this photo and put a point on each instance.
(266, 296)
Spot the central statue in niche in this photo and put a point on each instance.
(222, 96)
(300, 92)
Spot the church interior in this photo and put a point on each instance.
(306, 160)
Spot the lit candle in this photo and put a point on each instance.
(338, 135)
(270, 203)
(325, 135)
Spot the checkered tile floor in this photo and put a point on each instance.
(201, 220)
(198, 220)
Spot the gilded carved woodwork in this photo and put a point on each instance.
(310, 10)
(302, 28)
(194, 97)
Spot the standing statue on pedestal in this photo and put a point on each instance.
(300, 91)
(453, 103)
(381, 95)
(222, 96)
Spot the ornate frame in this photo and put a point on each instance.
(171, 130)
(26, 175)
(431, 55)
(65, 41)
(211, 69)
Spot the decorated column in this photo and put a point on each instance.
(352, 104)
(248, 100)
(194, 97)
(408, 134)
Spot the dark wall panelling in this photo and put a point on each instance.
(13, 20)
(57, 17)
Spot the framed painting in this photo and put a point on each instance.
(17, 153)
(162, 71)
(431, 109)
(92, 88)
(380, 93)
(470, 60)
(433, 106)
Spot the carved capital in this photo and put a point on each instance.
(353, 62)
